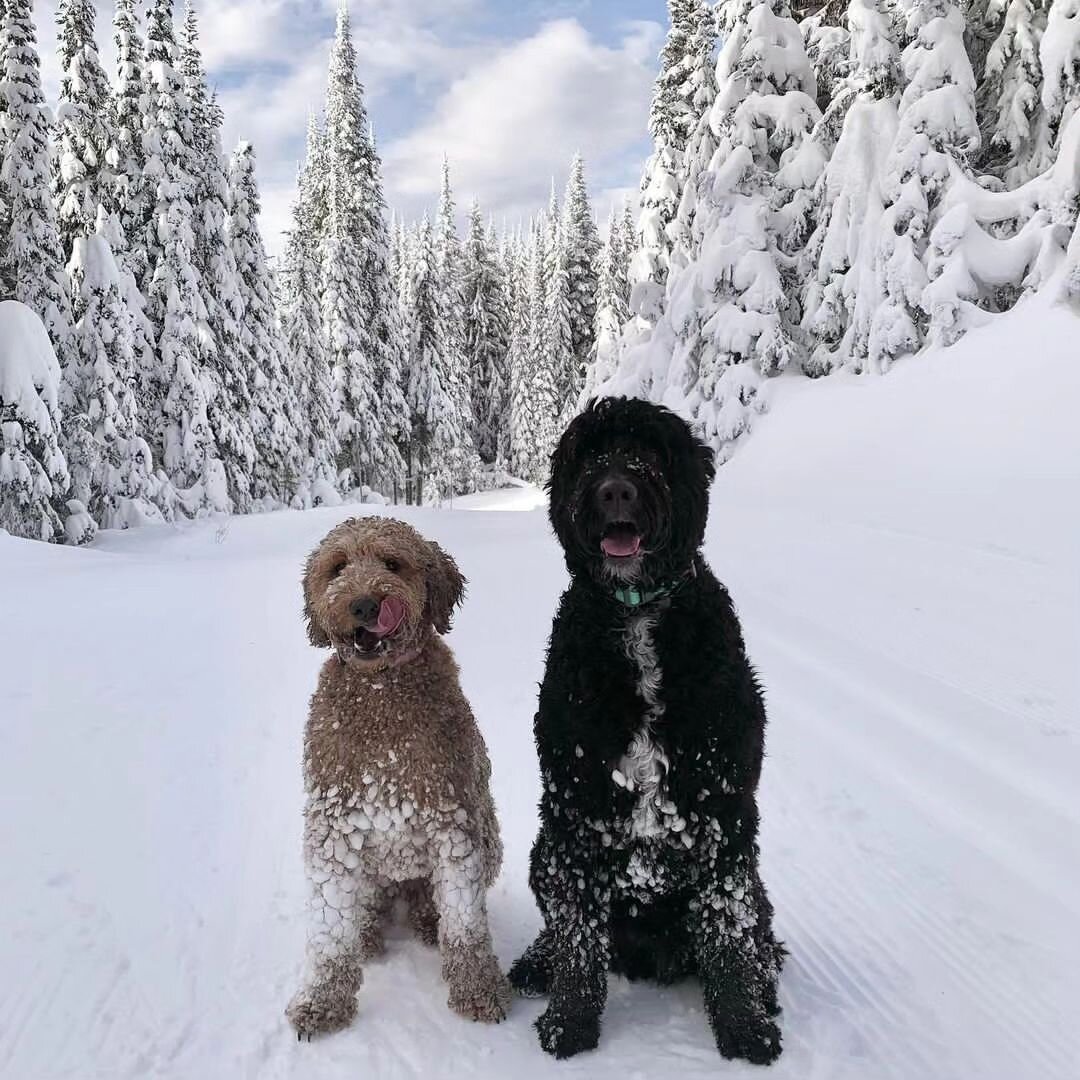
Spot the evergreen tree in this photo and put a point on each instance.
(841, 296)
(580, 254)
(937, 126)
(487, 334)
(306, 349)
(1014, 132)
(112, 471)
(364, 327)
(671, 121)
(275, 411)
(1059, 56)
(612, 308)
(174, 302)
(534, 404)
(31, 255)
(230, 367)
(359, 431)
(553, 334)
(84, 179)
(130, 103)
(33, 472)
(700, 92)
(433, 415)
(462, 458)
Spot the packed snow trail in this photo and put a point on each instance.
(903, 555)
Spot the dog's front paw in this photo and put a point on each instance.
(317, 1012)
(563, 1035)
(485, 998)
(758, 1042)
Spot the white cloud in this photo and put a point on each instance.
(510, 114)
(513, 122)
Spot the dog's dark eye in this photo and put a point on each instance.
(336, 569)
(392, 565)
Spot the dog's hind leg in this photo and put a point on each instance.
(478, 989)
(530, 973)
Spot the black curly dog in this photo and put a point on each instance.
(650, 733)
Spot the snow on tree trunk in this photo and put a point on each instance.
(33, 472)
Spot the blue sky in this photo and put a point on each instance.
(508, 90)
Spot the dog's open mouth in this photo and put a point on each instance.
(375, 640)
(621, 541)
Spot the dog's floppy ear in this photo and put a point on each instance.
(316, 634)
(445, 587)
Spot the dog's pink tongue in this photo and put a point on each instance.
(620, 545)
(391, 612)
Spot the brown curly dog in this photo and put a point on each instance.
(396, 774)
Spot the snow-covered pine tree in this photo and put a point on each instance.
(731, 316)
(671, 121)
(359, 430)
(534, 405)
(229, 366)
(463, 460)
(487, 334)
(1059, 57)
(700, 93)
(747, 329)
(937, 126)
(580, 254)
(1015, 134)
(842, 293)
(307, 355)
(433, 415)
(31, 253)
(33, 472)
(612, 308)
(387, 329)
(553, 335)
(182, 432)
(628, 247)
(126, 156)
(112, 472)
(365, 319)
(83, 180)
(513, 260)
(275, 411)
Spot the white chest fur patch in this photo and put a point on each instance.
(644, 765)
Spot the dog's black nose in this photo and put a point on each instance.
(617, 497)
(365, 610)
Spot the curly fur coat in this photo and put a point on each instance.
(650, 734)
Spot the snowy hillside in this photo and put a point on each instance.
(903, 554)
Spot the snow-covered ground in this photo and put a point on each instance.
(904, 553)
